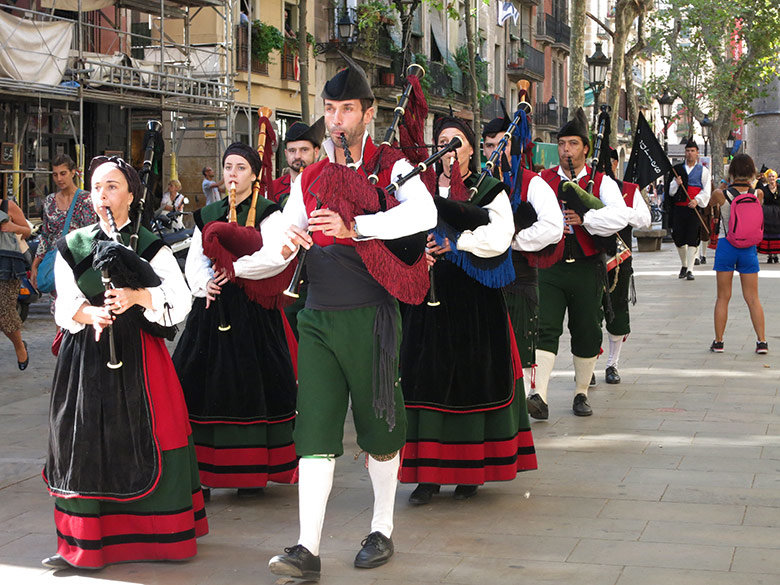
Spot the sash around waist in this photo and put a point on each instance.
(339, 280)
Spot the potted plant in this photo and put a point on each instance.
(265, 38)
(387, 77)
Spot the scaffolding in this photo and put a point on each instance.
(136, 54)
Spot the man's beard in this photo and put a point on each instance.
(297, 165)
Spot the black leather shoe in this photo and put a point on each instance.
(581, 406)
(464, 492)
(703, 259)
(377, 550)
(423, 493)
(55, 562)
(696, 262)
(592, 379)
(23, 366)
(683, 272)
(249, 492)
(611, 375)
(296, 561)
(690, 276)
(537, 407)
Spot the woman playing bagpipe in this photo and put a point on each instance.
(233, 358)
(120, 463)
(458, 369)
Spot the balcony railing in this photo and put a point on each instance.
(558, 30)
(532, 64)
(289, 63)
(241, 53)
(544, 117)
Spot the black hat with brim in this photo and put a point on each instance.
(691, 144)
(495, 126)
(300, 131)
(577, 126)
(351, 83)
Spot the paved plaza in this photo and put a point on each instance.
(675, 480)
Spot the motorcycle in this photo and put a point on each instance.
(170, 227)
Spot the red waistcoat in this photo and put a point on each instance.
(279, 188)
(584, 239)
(629, 190)
(309, 187)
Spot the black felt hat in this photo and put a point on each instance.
(577, 126)
(246, 152)
(444, 122)
(691, 143)
(300, 131)
(351, 83)
(497, 125)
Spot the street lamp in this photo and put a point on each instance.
(665, 104)
(346, 27)
(552, 109)
(598, 63)
(706, 124)
(730, 143)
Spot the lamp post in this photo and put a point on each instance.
(552, 108)
(598, 63)
(345, 32)
(706, 124)
(665, 104)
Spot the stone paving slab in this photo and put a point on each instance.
(674, 480)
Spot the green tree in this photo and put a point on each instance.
(721, 54)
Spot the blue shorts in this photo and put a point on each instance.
(729, 258)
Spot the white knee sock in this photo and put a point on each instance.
(690, 254)
(703, 249)
(315, 479)
(682, 252)
(545, 360)
(384, 480)
(583, 370)
(528, 380)
(615, 345)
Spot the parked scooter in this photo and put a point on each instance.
(170, 227)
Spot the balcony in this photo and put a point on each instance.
(559, 31)
(529, 67)
(289, 63)
(241, 53)
(542, 34)
(544, 117)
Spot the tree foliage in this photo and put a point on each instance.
(721, 54)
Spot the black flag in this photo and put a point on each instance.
(648, 161)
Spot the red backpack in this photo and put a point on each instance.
(746, 219)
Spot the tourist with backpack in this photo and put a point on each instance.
(743, 227)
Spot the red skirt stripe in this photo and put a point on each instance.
(95, 541)
(126, 552)
(108, 526)
(199, 512)
(769, 247)
(475, 464)
(246, 466)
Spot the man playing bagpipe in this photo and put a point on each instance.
(621, 277)
(301, 149)
(350, 329)
(689, 188)
(575, 283)
(538, 228)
